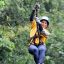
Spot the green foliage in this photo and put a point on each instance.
(6, 48)
(15, 28)
(6, 44)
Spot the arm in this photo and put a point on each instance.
(32, 15)
(39, 23)
(35, 10)
(42, 30)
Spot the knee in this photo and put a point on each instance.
(32, 48)
(42, 48)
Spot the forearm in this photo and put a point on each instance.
(39, 23)
(32, 15)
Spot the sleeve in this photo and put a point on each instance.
(33, 28)
(33, 24)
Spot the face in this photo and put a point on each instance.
(44, 24)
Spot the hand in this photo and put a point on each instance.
(46, 32)
(37, 6)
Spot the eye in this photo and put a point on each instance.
(45, 23)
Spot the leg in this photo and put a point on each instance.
(42, 50)
(34, 51)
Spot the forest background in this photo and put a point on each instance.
(15, 28)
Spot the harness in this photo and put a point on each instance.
(38, 38)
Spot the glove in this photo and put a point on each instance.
(37, 6)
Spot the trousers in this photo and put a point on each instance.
(38, 52)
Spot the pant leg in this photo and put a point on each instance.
(42, 50)
(34, 51)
